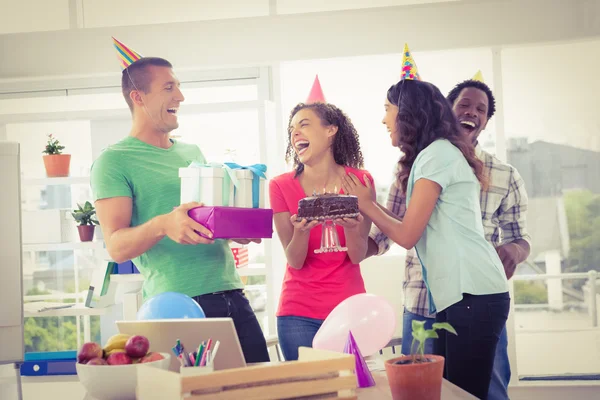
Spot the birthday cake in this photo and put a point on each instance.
(328, 206)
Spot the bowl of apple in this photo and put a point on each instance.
(110, 372)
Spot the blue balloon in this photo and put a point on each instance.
(170, 305)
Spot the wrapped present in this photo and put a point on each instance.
(249, 185)
(210, 184)
(240, 255)
(234, 222)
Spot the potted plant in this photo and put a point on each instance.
(87, 224)
(56, 163)
(419, 375)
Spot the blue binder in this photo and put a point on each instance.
(49, 363)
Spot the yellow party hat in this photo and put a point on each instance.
(478, 77)
(409, 67)
(125, 55)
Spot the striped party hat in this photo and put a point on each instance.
(316, 93)
(409, 67)
(478, 77)
(125, 55)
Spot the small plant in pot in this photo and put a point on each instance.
(419, 375)
(87, 224)
(56, 163)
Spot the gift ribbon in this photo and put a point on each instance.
(258, 171)
(228, 178)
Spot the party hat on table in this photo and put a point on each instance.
(478, 77)
(409, 67)
(316, 93)
(125, 55)
(363, 375)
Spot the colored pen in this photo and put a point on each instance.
(203, 361)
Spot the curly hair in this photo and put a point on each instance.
(345, 147)
(425, 115)
(455, 92)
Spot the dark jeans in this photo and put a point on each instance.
(294, 332)
(469, 356)
(234, 304)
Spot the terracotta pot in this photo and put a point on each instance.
(421, 381)
(57, 165)
(86, 232)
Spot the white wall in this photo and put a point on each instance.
(263, 40)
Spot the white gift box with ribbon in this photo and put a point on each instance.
(243, 196)
(203, 184)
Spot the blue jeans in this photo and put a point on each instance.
(294, 332)
(501, 374)
(407, 332)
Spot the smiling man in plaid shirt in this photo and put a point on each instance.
(503, 207)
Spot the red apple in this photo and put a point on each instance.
(97, 361)
(137, 346)
(118, 359)
(150, 357)
(88, 351)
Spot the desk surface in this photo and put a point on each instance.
(381, 390)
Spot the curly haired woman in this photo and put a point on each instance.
(442, 178)
(324, 146)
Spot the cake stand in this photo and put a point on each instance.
(330, 241)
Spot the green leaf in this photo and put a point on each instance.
(430, 334)
(417, 325)
(420, 335)
(444, 325)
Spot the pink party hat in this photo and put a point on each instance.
(363, 375)
(316, 93)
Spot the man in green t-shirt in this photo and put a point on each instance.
(136, 189)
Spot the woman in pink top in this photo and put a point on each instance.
(324, 146)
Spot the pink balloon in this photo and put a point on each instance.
(371, 319)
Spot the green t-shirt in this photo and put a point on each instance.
(150, 175)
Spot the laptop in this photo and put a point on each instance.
(163, 336)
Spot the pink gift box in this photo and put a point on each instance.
(234, 222)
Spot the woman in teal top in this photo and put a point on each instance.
(442, 178)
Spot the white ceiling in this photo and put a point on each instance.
(21, 16)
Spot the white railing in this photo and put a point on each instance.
(590, 276)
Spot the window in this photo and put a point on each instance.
(222, 117)
(552, 138)
(358, 85)
(57, 268)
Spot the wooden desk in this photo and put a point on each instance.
(381, 390)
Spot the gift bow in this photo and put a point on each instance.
(228, 178)
(258, 171)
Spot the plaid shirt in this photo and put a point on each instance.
(503, 209)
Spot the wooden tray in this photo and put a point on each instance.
(318, 374)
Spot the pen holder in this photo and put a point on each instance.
(196, 371)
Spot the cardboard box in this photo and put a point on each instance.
(235, 223)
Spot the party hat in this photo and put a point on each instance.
(409, 67)
(125, 55)
(478, 77)
(363, 375)
(316, 93)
